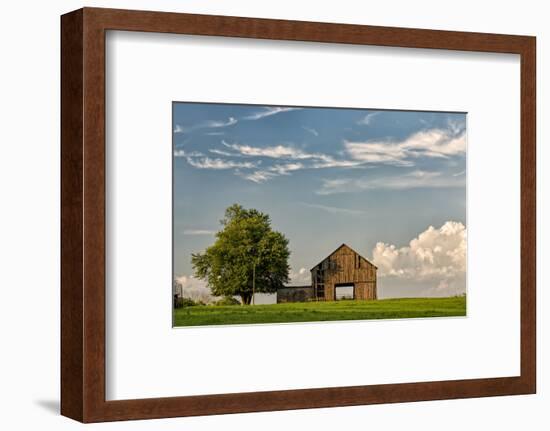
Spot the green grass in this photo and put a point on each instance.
(320, 311)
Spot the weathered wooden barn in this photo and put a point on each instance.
(344, 274)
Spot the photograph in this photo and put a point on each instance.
(288, 214)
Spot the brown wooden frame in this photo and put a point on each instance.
(83, 214)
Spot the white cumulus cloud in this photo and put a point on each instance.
(434, 260)
(300, 277)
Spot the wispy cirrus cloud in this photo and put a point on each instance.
(182, 153)
(289, 152)
(274, 152)
(231, 121)
(439, 143)
(367, 119)
(334, 210)
(331, 162)
(283, 159)
(284, 169)
(260, 176)
(296, 159)
(377, 152)
(219, 164)
(411, 180)
(432, 143)
(311, 130)
(221, 152)
(257, 177)
(200, 161)
(268, 112)
(209, 124)
(195, 232)
(223, 123)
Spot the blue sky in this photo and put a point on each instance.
(326, 176)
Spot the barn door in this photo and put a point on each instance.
(344, 291)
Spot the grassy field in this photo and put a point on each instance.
(320, 311)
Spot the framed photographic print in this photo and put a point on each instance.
(294, 210)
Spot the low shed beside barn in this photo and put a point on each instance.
(295, 294)
(344, 274)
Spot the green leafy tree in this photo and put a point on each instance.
(247, 256)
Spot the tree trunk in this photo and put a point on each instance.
(246, 298)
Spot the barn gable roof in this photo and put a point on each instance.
(343, 245)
